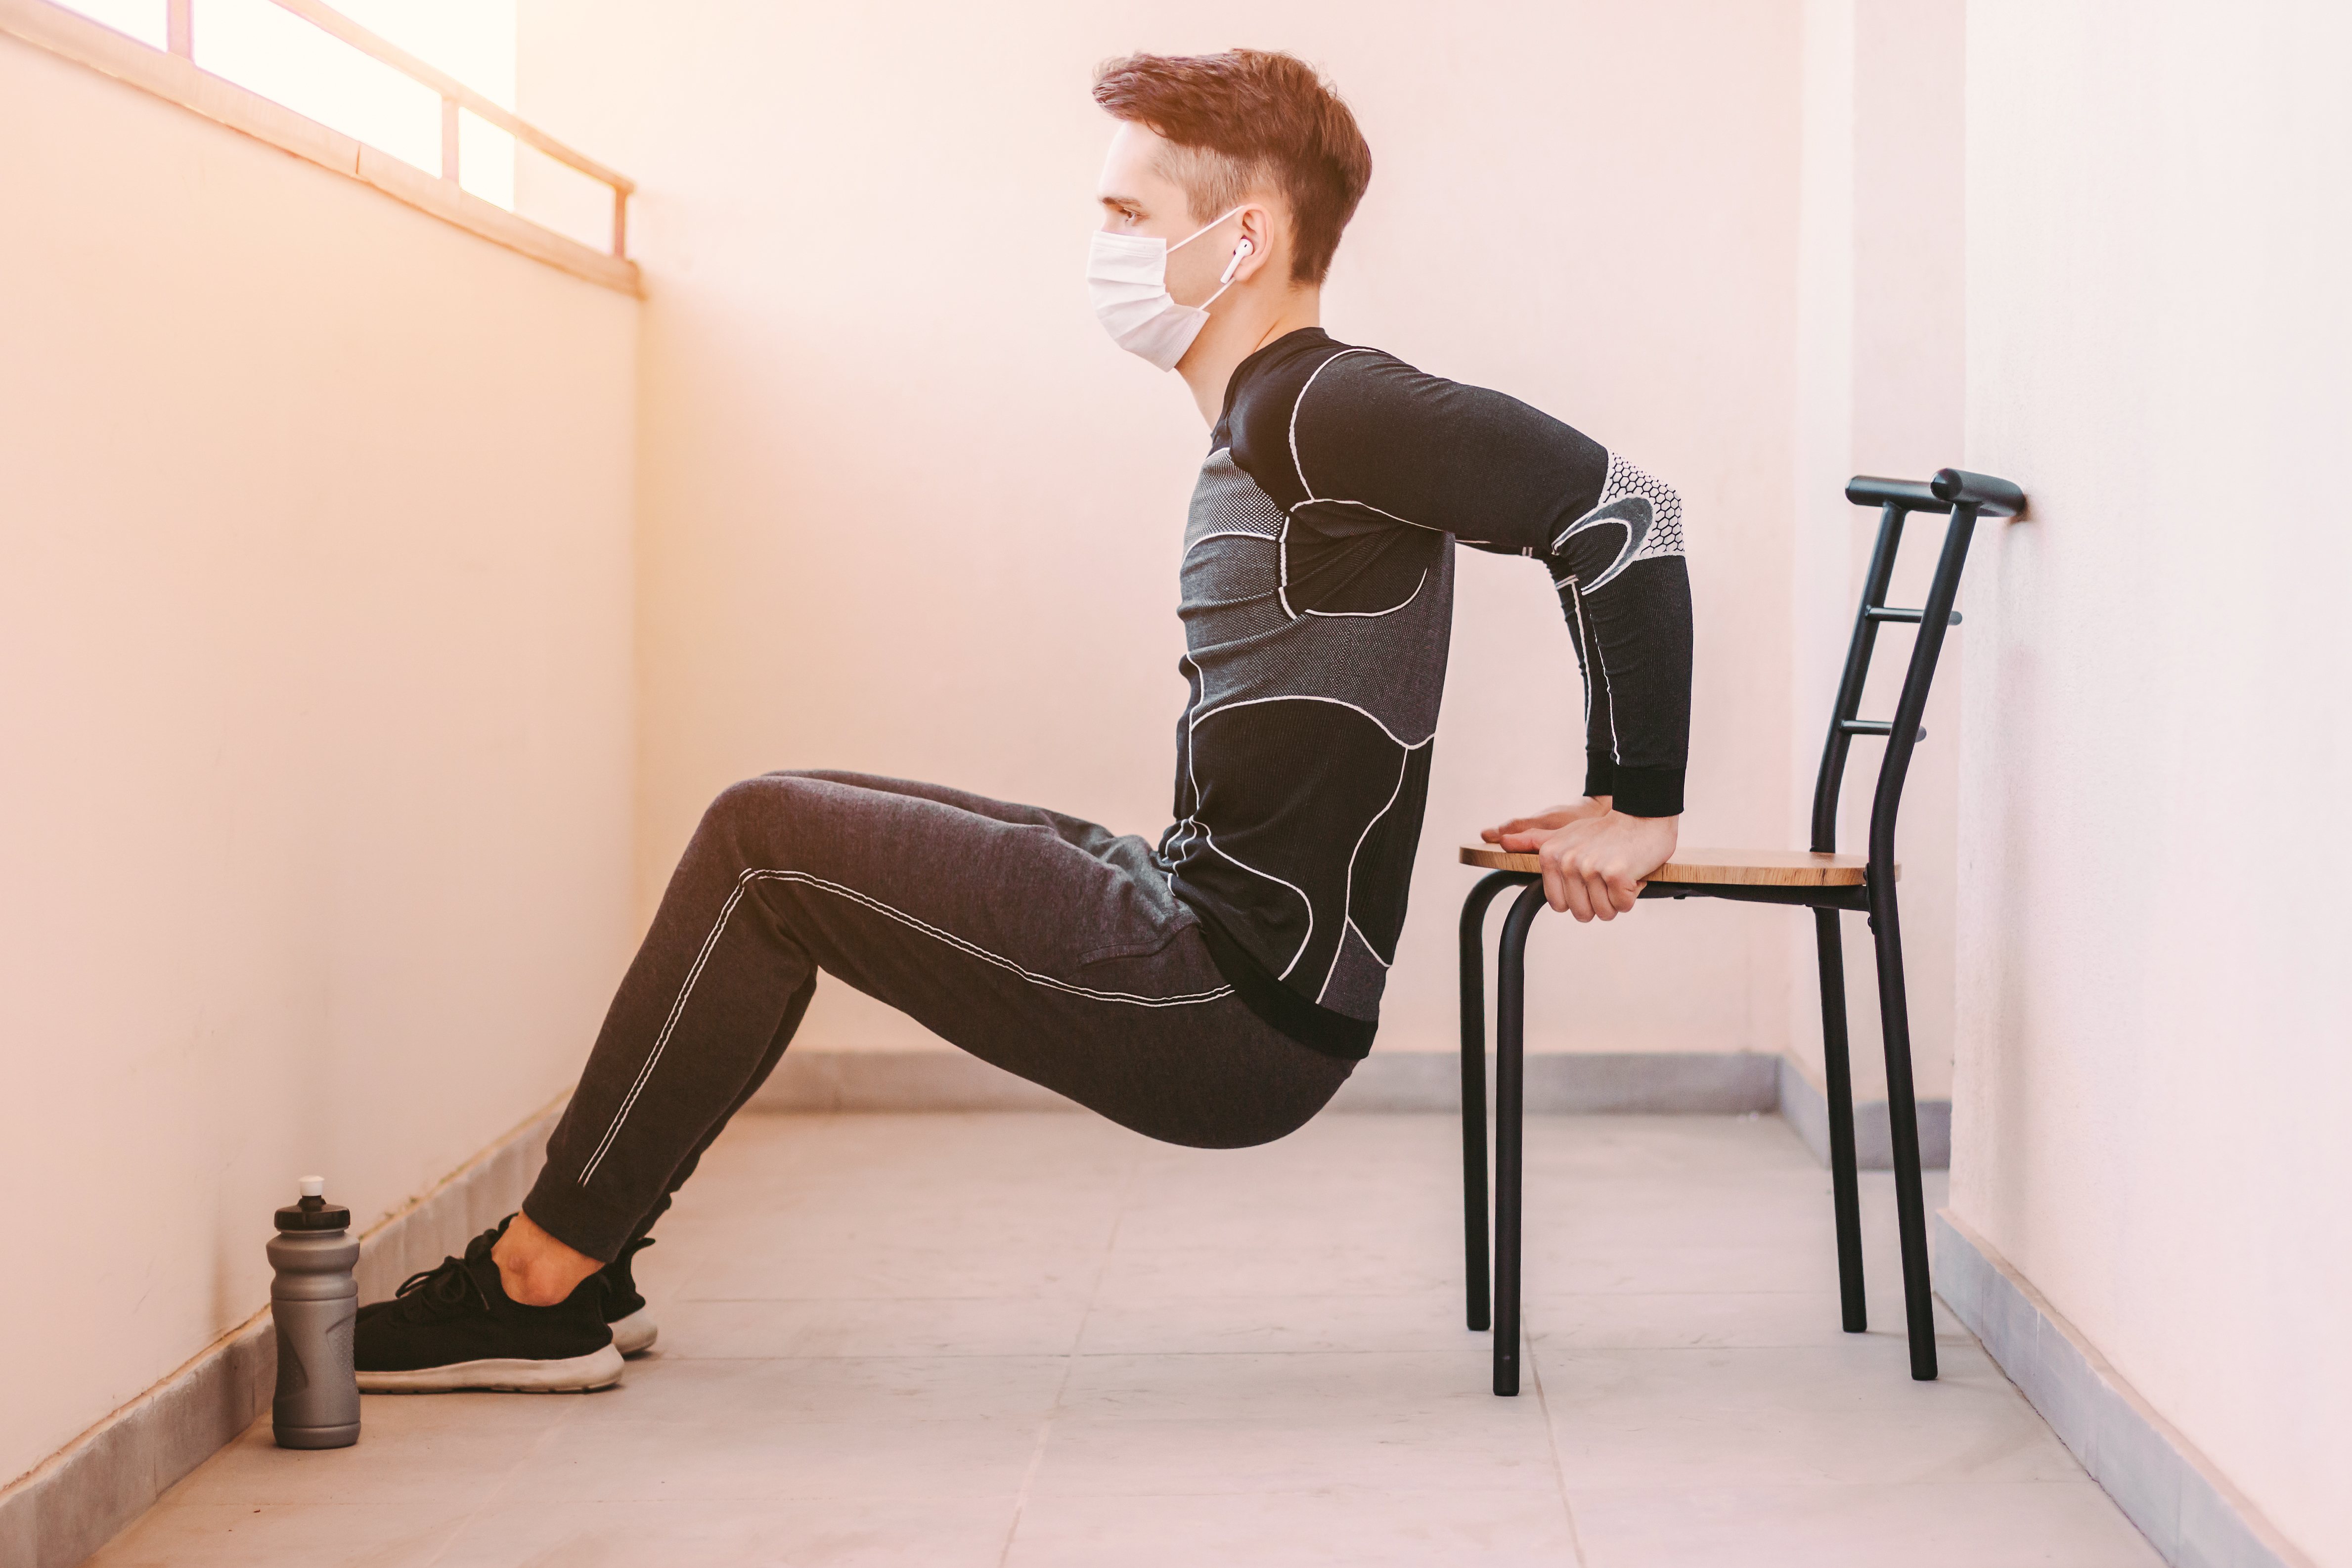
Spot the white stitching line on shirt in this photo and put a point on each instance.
(1593, 660)
(1193, 718)
(1347, 898)
(1375, 614)
(1294, 405)
(1310, 696)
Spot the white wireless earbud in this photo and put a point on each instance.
(1241, 254)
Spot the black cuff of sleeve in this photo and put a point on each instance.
(1600, 775)
(1648, 791)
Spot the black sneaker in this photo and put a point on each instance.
(633, 1326)
(634, 1331)
(455, 1327)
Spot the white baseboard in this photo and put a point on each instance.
(1807, 1109)
(2187, 1509)
(1674, 1083)
(72, 1503)
(1670, 1082)
(1684, 1083)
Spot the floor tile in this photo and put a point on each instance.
(1133, 1323)
(1183, 1273)
(456, 1445)
(816, 1428)
(1291, 1423)
(1790, 1415)
(870, 1326)
(319, 1533)
(879, 1392)
(1627, 1320)
(834, 1266)
(725, 1463)
(836, 1533)
(1344, 1527)
(2053, 1524)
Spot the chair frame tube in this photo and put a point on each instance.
(1886, 928)
(1895, 504)
(1510, 1100)
(1479, 1304)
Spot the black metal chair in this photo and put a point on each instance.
(1821, 881)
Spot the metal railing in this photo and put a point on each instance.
(180, 34)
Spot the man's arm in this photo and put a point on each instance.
(1622, 584)
(1620, 572)
(1370, 440)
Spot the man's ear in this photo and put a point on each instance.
(1243, 249)
(1258, 232)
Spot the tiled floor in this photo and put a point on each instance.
(1034, 1339)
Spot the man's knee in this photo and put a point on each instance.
(749, 802)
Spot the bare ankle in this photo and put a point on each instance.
(536, 1270)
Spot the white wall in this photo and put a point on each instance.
(903, 507)
(315, 702)
(2154, 1071)
(1879, 391)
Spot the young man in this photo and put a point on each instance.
(1214, 990)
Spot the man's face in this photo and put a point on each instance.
(1138, 198)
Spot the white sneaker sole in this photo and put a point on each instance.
(573, 1374)
(635, 1334)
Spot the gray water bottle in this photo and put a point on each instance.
(315, 1302)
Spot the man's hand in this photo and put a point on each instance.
(1594, 858)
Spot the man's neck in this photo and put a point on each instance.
(1233, 335)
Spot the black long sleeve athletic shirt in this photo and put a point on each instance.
(1317, 601)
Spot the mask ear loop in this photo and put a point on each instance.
(1206, 227)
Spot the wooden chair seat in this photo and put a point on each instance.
(1751, 868)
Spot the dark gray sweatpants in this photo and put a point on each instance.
(1047, 945)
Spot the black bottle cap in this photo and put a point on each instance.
(314, 1213)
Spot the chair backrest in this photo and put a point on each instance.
(1965, 497)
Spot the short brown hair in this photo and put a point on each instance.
(1248, 116)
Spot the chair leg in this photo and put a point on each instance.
(1903, 1134)
(1844, 1194)
(1473, 1093)
(1510, 1084)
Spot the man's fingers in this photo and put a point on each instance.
(1602, 896)
(1564, 867)
(1578, 897)
(1587, 865)
(1538, 827)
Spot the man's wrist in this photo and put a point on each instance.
(1648, 791)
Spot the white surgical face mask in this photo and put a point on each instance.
(1127, 277)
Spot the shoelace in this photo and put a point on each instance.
(444, 1290)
